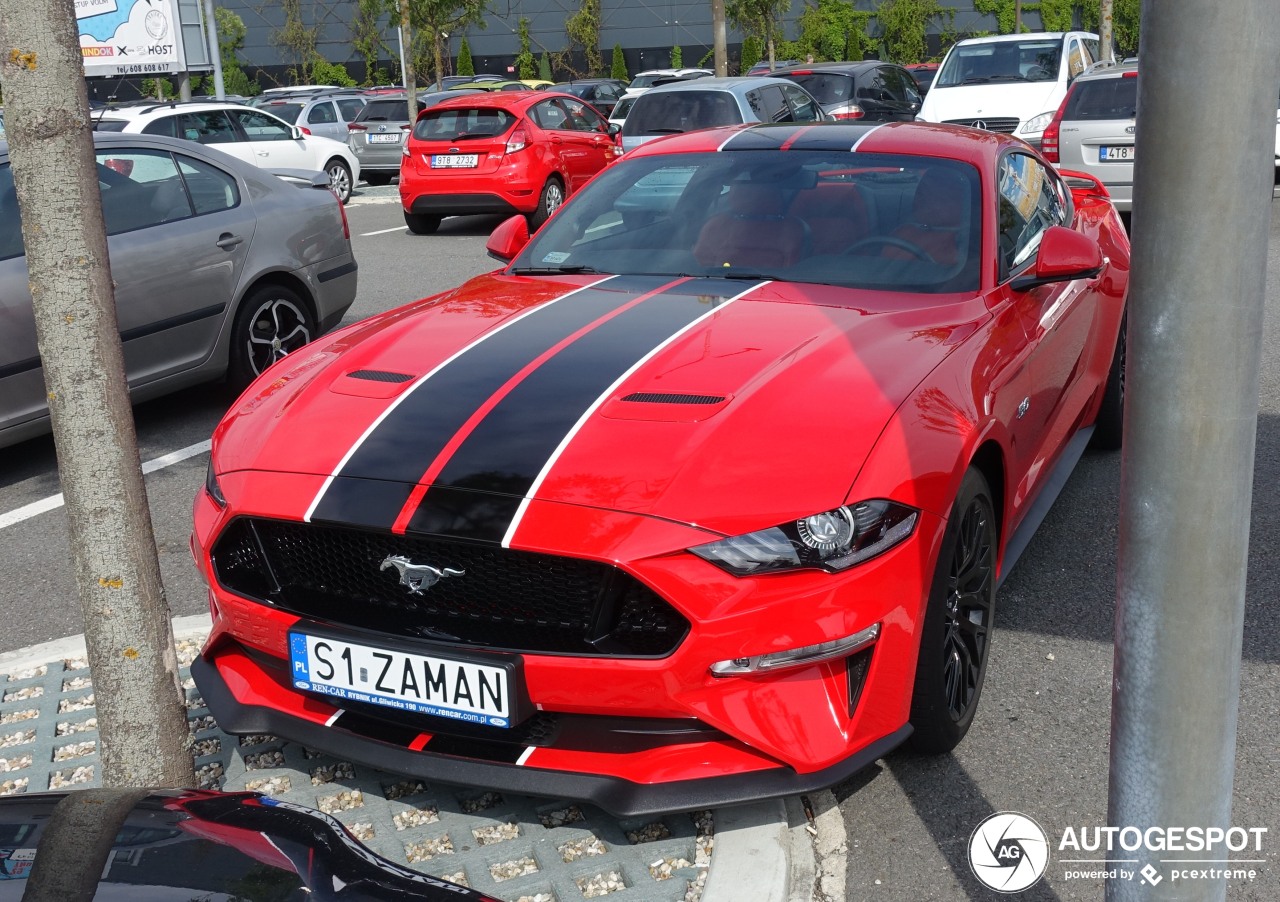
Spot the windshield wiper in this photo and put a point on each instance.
(1008, 78)
(734, 272)
(567, 269)
(976, 80)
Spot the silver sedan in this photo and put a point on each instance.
(220, 270)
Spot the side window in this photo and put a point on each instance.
(167, 126)
(261, 127)
(211, 189)
(350, 108)
(774, 105)
(550, 116)
(208, 127)
(322, 114)
(1076, 61)
(1031, 200)
(803, 108)
(140, 188)
(581, 117)
(1091, 50)
(10, 226)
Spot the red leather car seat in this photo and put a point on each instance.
(938, 211)
(755, 231)
(836, 213)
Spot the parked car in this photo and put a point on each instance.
(687, 106)
(252, 135)
(496, 86)
(647, 78)
(682, 509)
(1008, 83)
(763, 68)
(923, 73)
(453, 81)
(220, 269)
(875, 91)
(601, 93)
(1094, 128)
(618, 114)
(270, 94)
(326, 115)
(174, 845)
(503, 152)
(378, 134)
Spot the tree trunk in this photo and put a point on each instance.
(141, 716)
(406, 60)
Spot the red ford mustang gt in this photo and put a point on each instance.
(704, 497)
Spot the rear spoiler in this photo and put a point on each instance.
(303, 178)
(1082, 184)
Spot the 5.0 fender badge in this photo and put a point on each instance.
(417, 577)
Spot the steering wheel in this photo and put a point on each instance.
(1038, 73)
(910, 247)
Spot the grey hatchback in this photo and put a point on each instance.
(377, 135)
(220, 268)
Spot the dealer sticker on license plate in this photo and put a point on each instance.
(454, 160)
(407, 681)
(1123, 154)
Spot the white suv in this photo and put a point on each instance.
(1010, 83)
(251, 135)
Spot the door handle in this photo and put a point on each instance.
(227, 241)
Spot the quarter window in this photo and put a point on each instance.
(261, 127)
(350, 108)
(322, 114)
(211, 189)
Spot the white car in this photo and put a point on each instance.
(646, 79)
(1010, 83)
(252, 135)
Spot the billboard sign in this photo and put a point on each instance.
(130, 37)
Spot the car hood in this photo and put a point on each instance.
(1023, 100)
(704, 401)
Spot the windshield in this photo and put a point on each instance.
(859, 220)
(385, 111)
(672, 112)
(1103, 98)
(621, 109)
(1001, 61)
(826, 87)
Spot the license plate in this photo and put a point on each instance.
(384, 139)
(441, 686)
(1116, 154)
(454, 160)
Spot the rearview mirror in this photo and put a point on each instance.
(1064, 255)
(508, 239)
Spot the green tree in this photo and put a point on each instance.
(466, 65)
(1124, 24)
(327, 73)
(433, 21)
(583, 30)
(750, 54)
(618, 68)
(904, 25)
(760, 19)
(677, 57)
(366, 36)
(544, 67)
(231, 35)
(526, 65)
(297, 41)
(831, 30)
(159, 88)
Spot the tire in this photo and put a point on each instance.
(340, 181)
(378, 178)
(550, 200)
(273, 321)
(1108, 428)
(422, 225)
(955, 638)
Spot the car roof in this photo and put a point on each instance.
(844, 68)
(133, 110)
(733, 84)
(1024, 36)
(971, 145)
(499, 99)
(1109, 69)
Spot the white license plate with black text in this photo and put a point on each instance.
(407, 681)
(454, 160)
(1117, 154)
(384, 139)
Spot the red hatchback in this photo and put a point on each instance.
(521, 152)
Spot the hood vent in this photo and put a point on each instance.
(380, 376)
(661, 398)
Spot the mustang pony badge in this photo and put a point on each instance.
(417, 577)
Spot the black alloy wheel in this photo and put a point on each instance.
(956, 636)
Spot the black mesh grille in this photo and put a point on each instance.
(380, 376)
(659, 398)
(1005, 126)
(505, 599)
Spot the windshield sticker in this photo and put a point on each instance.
(556, 257)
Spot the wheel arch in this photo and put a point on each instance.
(988, 459)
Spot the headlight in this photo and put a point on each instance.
(211, 486)
(833, 540)
(1037, 125)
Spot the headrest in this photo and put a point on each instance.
(942, 199)
(756, 199)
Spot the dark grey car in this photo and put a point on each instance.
(220, 268)
(377, 135)
(869, 91)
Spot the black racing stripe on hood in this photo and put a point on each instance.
(509, 449)
(399, 450)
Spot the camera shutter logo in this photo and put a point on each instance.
(1008, 852)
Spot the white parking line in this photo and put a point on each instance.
(382, 231)
(53, 502)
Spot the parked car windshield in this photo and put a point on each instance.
(395, 110)
(1104, 98)
(461, 124)
(800, 216)
(993, 61)
(672, 112)
(826, 87)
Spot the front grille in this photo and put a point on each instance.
(1003, 125)
(505, 599)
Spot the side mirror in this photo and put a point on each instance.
(508, 239)
(295, 132)
(614, 129)
(1064, 255)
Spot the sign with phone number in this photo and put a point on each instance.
(130, 37)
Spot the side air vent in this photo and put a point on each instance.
(380, 376)
(659, 398)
